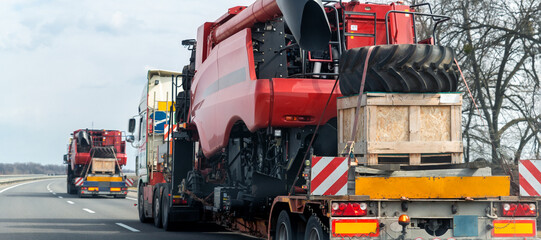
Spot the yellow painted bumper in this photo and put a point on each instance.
(432, 187)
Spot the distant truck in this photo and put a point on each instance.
(95, 159)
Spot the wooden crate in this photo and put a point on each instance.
(405, 128)
(103, 165)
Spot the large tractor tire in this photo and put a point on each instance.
(410, 68)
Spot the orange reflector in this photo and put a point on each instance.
(513, 228)
(355, 227)
(115, 189)
(93, 189)
(291, 118)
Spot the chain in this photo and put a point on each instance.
(325, 228)
(192, 195)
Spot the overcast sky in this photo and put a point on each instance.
(66, 65)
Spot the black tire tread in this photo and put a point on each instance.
(410, 68)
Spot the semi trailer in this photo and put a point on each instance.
(303, 119)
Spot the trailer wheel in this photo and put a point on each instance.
(314, 231)
(166, 221)
(418, 68)
(157, 211)
(141, 205)
(284, 230)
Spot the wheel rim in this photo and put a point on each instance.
(282, 231)
(313, 234)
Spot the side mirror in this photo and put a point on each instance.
(131, 125)
(65, 158)
(130, 138)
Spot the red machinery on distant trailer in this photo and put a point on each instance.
(95, 159)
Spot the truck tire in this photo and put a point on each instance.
(166, 220)
(314, 231)
(79, 193)
(418, 68)
(68, 187)
(156, 209)
(141, 205)
(284, 230)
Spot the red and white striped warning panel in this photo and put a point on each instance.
(329, 176)
(129, 182)
(529, 177)
(166, 132)
(79, 181)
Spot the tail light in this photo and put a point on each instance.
(519, 209)
(177, 200)
(349, 209)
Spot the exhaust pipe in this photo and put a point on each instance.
(308, 23)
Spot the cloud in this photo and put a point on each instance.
(68, 64)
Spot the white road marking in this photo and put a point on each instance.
(127, 227)
(60, 197)
(88, 210)
(49, 187)
(70, 202)
(134, 199)
(5, 189)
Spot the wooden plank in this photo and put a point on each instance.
(396, 99)
(372, 159)
(414, 147)
(371, 123)
(415, 159)
(382, 99)
(456, 123)
(456, 131)
(414, 123)
(340, 125)
(456, 158)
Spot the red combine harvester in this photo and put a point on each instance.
(261, 101)
(95, 159)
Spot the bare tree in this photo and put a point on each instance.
(498, 46)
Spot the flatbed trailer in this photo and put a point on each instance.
(94, 164)
(226, 139)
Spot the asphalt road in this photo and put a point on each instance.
(42, 210)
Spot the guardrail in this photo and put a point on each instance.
(8, 179)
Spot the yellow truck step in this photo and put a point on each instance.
(432, 187)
